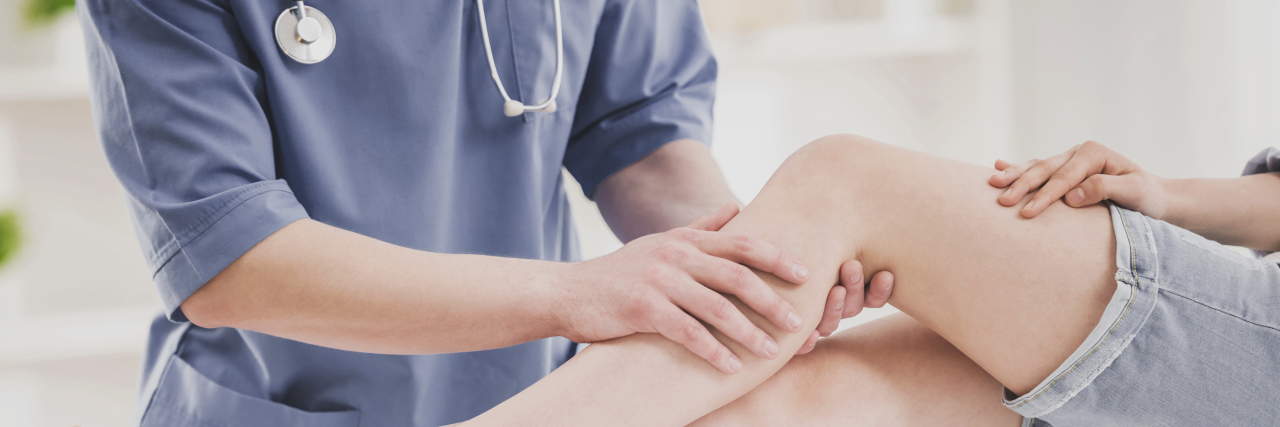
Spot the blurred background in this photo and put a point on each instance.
(1185, 87)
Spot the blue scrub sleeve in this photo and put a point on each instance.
(178, 98)
(651, 80)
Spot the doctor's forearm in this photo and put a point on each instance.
(669, 188)
(321, 285)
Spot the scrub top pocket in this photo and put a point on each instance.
(186, 397)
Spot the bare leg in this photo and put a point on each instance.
(1015, 296)
(890, 372)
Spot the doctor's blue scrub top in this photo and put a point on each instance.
(219, 140)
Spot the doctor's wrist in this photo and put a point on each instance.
(561, 297)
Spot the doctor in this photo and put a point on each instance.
(348, 207)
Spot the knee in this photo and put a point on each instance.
(839, 145)
(836, 164)
(839, 156)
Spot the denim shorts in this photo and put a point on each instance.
(1190, 338)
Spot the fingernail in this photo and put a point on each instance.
(734, 364)
(1007, 191)
(794, 320)
(799, 270)
(1030, 205)
(771, 348)
(1001, 173)
(1076, 195)
(839, 304)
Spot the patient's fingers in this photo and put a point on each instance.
(1081, 165)
(1009, 173)
(879, 290)
(1033, 178)
(831, 316)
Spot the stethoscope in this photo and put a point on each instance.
(306, 35)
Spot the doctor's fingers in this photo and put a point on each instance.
(747, 250)
(809, 344)
(851, 279)
(678, 326)
(734, 279)
(717, 311)
(716, 220)
(832, 314)
(879, 290)
(872, 294)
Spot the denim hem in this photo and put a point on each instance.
(1135, 297)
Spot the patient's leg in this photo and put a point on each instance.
(1015, 296)
(889, 372)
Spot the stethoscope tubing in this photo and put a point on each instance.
(493, 68)
(316, 31)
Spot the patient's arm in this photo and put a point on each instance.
(1015, 296)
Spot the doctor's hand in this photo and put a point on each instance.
(849, 298)
(663, 283)
(1086, 174)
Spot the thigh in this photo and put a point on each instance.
(1193, 344)
(1017, 296)
(889, 372)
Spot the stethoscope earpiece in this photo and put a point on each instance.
(512, 108)
(305, 34)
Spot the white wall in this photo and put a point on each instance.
(1185, 87)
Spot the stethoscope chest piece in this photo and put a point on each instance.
(305, 34)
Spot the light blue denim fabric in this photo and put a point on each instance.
(1190, 338)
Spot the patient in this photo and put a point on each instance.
(1096, 315)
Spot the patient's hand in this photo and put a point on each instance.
(1086, 174)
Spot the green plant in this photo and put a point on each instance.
(44, 11)
(10, 236)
